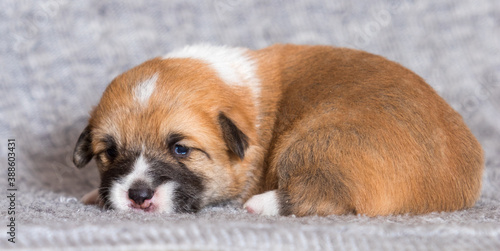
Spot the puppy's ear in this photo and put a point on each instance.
(83, 149)
(235, 139)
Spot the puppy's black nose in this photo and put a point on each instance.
(139, 195)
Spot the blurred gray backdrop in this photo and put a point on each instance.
(57, 56)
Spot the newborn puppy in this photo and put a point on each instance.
(288, 129)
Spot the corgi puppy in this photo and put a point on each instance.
(285, 130)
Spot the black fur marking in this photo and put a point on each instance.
(120, 167)
(83, 150)
(235, 139)
(190, 186)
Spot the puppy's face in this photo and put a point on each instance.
(169, 136)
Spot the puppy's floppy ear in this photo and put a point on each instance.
(83, 149)
(235, 139)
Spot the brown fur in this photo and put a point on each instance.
(355, 132)
(184, 105)
(342, 131)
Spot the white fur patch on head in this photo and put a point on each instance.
(264, 204)
(144, 90)
(232, 65)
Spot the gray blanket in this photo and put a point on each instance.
(57, 56)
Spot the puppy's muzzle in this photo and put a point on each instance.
(140, 194)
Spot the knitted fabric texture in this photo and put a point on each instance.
(57, 57)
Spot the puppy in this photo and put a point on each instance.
(288, 129)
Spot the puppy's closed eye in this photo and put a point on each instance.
(110, 151)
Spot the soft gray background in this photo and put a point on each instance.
(57, 56)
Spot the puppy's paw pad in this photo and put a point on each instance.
(264, 204)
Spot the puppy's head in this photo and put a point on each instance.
(169, 136)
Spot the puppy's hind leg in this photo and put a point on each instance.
(310, 178)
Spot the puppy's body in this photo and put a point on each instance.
(323, 130)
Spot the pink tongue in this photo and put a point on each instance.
(146, 204)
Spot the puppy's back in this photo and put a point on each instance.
(358, 133)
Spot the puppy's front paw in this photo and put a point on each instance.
(91, 198)
(264, 204)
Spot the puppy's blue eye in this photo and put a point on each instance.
(181, 151)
